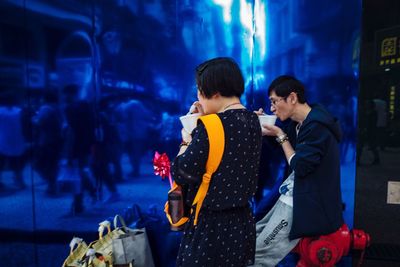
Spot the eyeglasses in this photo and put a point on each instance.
(275, 101)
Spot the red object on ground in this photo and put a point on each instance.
(327, 250)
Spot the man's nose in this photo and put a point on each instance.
(272, 108)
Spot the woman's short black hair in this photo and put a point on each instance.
(219, 75)
(284, 85)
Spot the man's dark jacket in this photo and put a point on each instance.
(317, 201)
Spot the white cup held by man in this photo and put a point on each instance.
(189, 122)
(267, 119)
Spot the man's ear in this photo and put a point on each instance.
(293, 98)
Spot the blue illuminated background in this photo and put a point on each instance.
(126, 70)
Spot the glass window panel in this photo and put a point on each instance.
(98, 87)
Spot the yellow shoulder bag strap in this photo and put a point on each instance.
(216, 138)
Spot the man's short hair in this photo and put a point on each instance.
(219, 75)
(286, 84)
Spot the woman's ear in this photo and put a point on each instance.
(216, 96)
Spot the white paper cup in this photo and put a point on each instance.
(189, 122)
(267, 119)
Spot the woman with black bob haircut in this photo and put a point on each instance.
(224, 233)
(219, 75)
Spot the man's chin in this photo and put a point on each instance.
(281, 118)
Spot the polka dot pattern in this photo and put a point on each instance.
(225, 232)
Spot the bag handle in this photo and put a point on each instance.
(121, 221)
(102, 226)
(76, 241)
(216, 138)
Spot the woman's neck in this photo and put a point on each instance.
(230, 103)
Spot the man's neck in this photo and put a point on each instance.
(301, 112)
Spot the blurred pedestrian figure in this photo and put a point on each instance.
(80, 137)
(135, 121)
(48, 143)
(168, 140)
(106, 136)
(12, 141)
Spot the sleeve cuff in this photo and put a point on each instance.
(290, 159)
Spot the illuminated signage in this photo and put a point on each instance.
(392, 99)
(388, 47)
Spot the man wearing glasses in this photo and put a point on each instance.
(310, 201)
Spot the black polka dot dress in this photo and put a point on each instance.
(225, 231)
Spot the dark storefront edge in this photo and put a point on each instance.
(385, 252)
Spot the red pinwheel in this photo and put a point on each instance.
(162, 166)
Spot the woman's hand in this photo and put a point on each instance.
(259, 112)
(196, 108)
(271, 130)
(186, 137)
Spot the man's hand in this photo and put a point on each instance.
(271, 130)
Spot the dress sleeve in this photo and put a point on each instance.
(189, 167)
(310, 149)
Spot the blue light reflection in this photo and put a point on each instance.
(119, 53)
